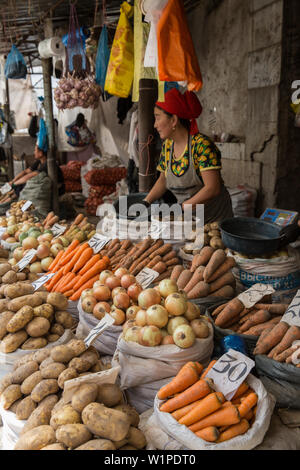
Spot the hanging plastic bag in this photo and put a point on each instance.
(76, 56)
(79, 135)
(15, 66)
(120, 70)
(42, 140)
(177, 60)
(153, 10)
(102, 58)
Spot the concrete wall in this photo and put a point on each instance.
(239, 46)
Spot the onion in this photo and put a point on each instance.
(112, 282)
(127, 280)
(132, 311)
(167, 287)
(184, 336)
(193, 311)
(43, 251)
(36, 267)
(150, 336)
(121, 300)
(176, 304)
(121, 271)
(167, 340)
(118, 315)
(29, 243)
(104, 275)
(100, 310)
(116, 290)
(200, 328)
(134, 291)
(46, 262)
(149, 297)
(128, 324)
(132, 334)
(88, 303)
(175, 322)
(157, 316)
(141, 318)
(102, 293)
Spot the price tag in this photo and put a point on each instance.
(105, 323)
(230, 371)
(58, 230)
(2, 230)
(42, 280)
(5, 188)
(26, 206)
(146, 277)
(26, 259)
(98, 242)
(292, 315)
(253, 295)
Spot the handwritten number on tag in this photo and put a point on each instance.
(231, 369)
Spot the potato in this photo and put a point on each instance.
(36, 438)
(64, 318)
(20, 319)
(127, 447)
(119, 444)
(58, 405)
(214, 233)
(46, 362)
(97, 444)
(77, 345)
(24, 360)
(21, 277)
(85, 394)
(42, 296)
(214, 226)
(57, 329)
(10, 277)
(132, 414)
(43, 389)
(91, 357)
(97, 367)
(53, 370)
(41, 415)
(67, 374)
(14, 406)
(54, 447)
(11, 394)
(62, 353)
(136, 438)
(49, 402)
(5, 382)
(12, 341)
(4, 268)
(73, 435)
(52, 338)
(38, 327)
(216, 243)
(32, 300)
(206, 228)
(40, 356)
(109, 395)
(30, 382)
(80, 365)
(45, 310)
(25, 408)
(22, 372)
(65, 415)
(18, 289)
(34, 343)
(105, 422)
(5, 318)
(59, 301)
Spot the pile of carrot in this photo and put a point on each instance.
(77, 268)
(210, 274)
(192, 401)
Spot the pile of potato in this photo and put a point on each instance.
(211, 237)
(95, 419)
(16, 215)
(30, 320)
(9, 275)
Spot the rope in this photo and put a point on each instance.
(104, 13)
(142, 147)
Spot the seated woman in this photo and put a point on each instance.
(19, 182)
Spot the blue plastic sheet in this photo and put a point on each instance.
(102, 58)
(15, 65)
(234, 342)
(42, 140)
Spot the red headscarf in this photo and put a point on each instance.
(185, 106)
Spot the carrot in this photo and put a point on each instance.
(88, 285)
(77, 253)
(209, 434)
(228, 264)
(154, 247)
(249, 415)
(48, 216)
(234, 431)
(94, 259)
(162, 251)
(186, 377)
(196, 277)
(247, 403)
(67, 278)
(217, 258)
(169, 256)
(226, 291)
(177, 270)
(285, 354)
(202, 258)
(126, 244)
(159, 267)
(56, 260)
(66, 259)
(210, 365)
(70, 284)
(233, 308)
(292, 334)
(165, 275)
(273, 309)
(218, 310)
(69, 293)
(202, 289)
(224, 416)
(79, 218)
(74, 244)
(272, 339)
(101, 265)
(227, 279)
(154, 261)
(143, 264)
(184, 278)
(261, 316)
(247, 315)
(183, 411)
(241, 390)
(198, 390)
(207, 405)
(85, 256)
(55, 279)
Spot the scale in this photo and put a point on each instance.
(280, 217)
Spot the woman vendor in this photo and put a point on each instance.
(190, 163)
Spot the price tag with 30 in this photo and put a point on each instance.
(26, 259)
(230, 371)
(253, 295)
(42, 280)
(5, 188)
(106, 322)
(58, 230)
(26, 206)
(98, 242)
(292, 315)
(146, 277)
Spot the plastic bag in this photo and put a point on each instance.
(120, 69)
(39, 190)
(42, 140)
(102, 58)
(79, 136)
(15, 66)
(177, 60)
(75, 45)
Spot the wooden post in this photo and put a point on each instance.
(51, 156)
(9, 150)
(147, 163)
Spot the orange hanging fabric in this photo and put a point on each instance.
(177, 60)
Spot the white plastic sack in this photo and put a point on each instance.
(106, 343)
(143, 396)
(153, 10)
(7, 361)
(12, 428)
(73, 309)
(98, 162)
(186, 439)
(142, 365)
(243, 200)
